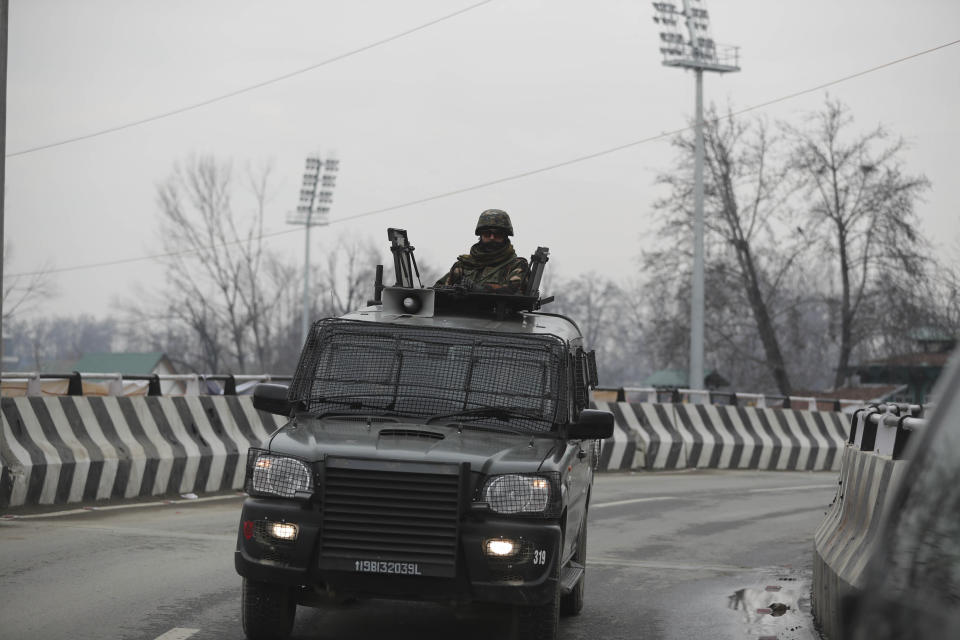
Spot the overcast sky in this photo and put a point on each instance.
(502, 89)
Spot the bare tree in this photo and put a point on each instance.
(223, 305)
(41, 342)
(947, 283)
(751, 253)
(856, 185)
(21, 293)
(283, 340)
(609, 317)
(910, 308)
(626, 358)
(230, 304)
(347, 282)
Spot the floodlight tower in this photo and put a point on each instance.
(316, 196)
(694, 49)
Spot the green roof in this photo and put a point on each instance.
(678, 379)
(930, 334)
(125, 363)
(58, 366)
(675, 378)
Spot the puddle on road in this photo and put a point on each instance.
(779, 609)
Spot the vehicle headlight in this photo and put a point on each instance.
(275, 475)
(519, 493)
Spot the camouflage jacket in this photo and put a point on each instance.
(498, 272)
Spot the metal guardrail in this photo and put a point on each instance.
(885, 429)
(700, 396)
(193, 384)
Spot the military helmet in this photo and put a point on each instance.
(494, 219)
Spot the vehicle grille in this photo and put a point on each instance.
(390, 517)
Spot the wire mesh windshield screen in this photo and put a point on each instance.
(353, 367)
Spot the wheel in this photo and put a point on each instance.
(539, 622)
(572, 603)
(267, 610)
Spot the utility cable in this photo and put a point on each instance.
(515, 176)
(247, 89)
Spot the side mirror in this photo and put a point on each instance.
(592, 425)
(272, 398)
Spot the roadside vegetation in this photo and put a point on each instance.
(812, 234)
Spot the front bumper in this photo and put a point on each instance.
(526, 577)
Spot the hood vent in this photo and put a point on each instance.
(363, 419)
(413, 434)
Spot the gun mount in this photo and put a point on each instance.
(404, 264)
(537, 263)
(405, 298)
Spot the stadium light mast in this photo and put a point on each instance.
(316, 196)
(691, 46)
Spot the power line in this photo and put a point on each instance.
(845, 78)
(247, 89)
(510, 178)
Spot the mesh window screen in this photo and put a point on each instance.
(365, 367)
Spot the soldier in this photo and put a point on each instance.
(492, 264)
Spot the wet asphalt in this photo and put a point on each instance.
(692, 554)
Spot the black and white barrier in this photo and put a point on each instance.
(655, 436)
(78, 383)
(680, 395)
(69, 449)
(76, 449)
(870, 472)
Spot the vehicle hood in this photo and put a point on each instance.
(485, 451)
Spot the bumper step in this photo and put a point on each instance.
(570, 576)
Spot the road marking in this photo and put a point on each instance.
(177, 633)
(673, 566)
(114, 507)
(615, 503)
(154, 533)
(796, 488)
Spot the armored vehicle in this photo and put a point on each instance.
(438, 447)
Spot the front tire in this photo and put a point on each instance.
(572, 603)
(267, 610)
(539, 622)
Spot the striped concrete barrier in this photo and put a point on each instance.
(76, 449)
(654, 436)
(72, 449)
(846, 538)
(871, 472)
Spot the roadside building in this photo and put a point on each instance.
(132, 364)
(912, 374)
(680, 379)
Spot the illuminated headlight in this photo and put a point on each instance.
(278, 476)
(500, 547)
(283, 530)
(518, 493)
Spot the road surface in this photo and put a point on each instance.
(692, 554)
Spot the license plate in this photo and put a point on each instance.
(387, 567)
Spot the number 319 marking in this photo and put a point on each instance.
(539, 556)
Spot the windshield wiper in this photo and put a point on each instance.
(503, 413)
(353, 403)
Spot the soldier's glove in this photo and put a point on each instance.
(470, 285)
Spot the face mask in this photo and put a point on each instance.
(492, 245)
